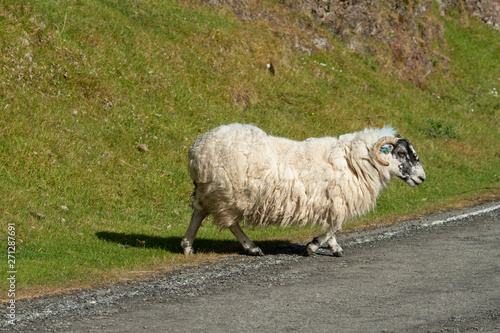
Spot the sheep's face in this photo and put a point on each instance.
(404, 162)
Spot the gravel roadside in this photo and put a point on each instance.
(58, 312)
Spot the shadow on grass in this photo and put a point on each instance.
(173, 244)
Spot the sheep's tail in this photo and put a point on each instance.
(196, 203)
(193, 194)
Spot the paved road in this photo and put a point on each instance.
(436, 274)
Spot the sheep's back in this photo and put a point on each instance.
(229, 164)
(231, 153)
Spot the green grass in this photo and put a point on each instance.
(83, 83)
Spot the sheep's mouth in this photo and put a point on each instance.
(413, 181)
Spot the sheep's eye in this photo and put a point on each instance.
(402, 154)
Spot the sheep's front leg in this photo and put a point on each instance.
(318, 242)
(335, 247)
(329, 238)
(248, 245)
(194, 225)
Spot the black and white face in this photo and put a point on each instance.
(404, 162)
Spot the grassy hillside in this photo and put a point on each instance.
(85, 84)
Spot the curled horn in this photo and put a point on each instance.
(379, 144)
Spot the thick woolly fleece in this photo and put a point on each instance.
(243, 174)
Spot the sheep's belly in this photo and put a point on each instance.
(285, 205)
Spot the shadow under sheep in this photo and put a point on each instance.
(202, 245)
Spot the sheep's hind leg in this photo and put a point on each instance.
(194, 225)
(248, 245)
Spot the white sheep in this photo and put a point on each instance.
(242, 174)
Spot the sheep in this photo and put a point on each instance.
(240, 173)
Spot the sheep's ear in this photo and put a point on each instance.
(399, 136)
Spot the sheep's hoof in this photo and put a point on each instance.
(188, 251)
(254, 251)
(311, 248)
(340, 253)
